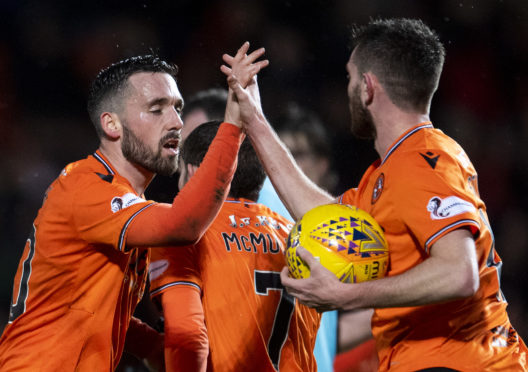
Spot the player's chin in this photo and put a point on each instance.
(168, 167)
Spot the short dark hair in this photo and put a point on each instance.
(111, 82)
(249, 176)
(405, 54)
(212, 101)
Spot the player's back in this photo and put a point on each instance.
(252, 323)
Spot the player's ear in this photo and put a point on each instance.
(111, 125)
(191, 170)
(367, 91)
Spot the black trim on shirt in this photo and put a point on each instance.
(125, 226)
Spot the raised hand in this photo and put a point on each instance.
(244, 67)
(315, 291)
(243, 103)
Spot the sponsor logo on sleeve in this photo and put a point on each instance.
(448, 207)
(125, 201)
(157, 268)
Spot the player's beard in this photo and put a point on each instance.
(362, 123)
(135, 151)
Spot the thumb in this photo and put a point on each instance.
(234, 84)
(306, 256)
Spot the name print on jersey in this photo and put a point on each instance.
(261, 221)
(252, 243)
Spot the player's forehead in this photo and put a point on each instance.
(148, 86)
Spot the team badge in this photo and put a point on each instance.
(378, 188)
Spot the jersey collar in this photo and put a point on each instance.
(404, 136)
(104, 161)
(239, 200)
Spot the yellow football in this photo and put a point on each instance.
(344, 239)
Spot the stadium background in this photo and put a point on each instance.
(49, 51)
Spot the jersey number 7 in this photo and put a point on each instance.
(264, 282)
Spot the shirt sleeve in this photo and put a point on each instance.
(198, 203)
(186, 339)
(348, 197)
(173, 266)
(432, 201)
(103, 210)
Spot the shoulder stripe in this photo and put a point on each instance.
(397, 144)
(163, 287)
(125, 227)
(447, 228)
(102, 161)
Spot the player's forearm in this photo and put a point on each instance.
(205, 192)
(186, 340)
(298, 193)
(198, 203)
(433, 281)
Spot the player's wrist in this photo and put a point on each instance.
(258, 127)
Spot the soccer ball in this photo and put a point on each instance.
(344, 239)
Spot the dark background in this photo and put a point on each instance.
(49, 51)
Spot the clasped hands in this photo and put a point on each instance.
(243, 104)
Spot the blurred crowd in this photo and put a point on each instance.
(50, 52)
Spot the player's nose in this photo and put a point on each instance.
(176, 122)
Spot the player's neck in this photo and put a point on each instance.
(391, 126)
(138, 176)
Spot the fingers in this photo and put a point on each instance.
(226, 70)
(260, 65)
(290, 284)
(247, 59)
(255, 55)
(306, 256)
(234, 84)
(228, 59)
(242, 50)
(285, 274)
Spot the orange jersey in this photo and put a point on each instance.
(252, 323)
(75, 256)
(422, 189)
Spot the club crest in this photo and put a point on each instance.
(378, 188)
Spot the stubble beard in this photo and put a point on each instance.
(362, 123)
(135, 151)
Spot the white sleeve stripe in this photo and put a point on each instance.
(163, 287)
(449, 227)
(125, 227)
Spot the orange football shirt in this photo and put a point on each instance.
(73, 257)
(423, 188)
(252, 323)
